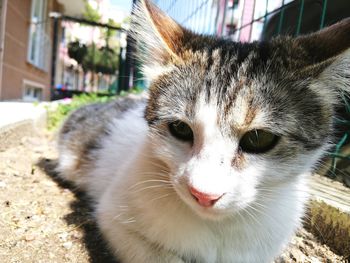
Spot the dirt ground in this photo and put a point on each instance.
(43, 219)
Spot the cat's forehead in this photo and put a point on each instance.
(229, 79)
(250, 58)
(227, 69)
(232, 103)
(247, 87)
(232, 117)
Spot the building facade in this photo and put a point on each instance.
(25, 49)
(26, 39)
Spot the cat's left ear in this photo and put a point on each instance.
(328, 51)
(326, 43)
(161, 41)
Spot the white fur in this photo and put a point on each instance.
(67, 166)
(146, 213)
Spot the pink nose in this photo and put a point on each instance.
(204, 199)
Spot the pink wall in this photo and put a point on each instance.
(247, 17)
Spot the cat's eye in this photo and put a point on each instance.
(258, 141)
(181, 131)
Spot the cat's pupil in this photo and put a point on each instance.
(181, 131)
(258, 141)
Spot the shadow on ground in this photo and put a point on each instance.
(81, 217)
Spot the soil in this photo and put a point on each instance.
(43, 219)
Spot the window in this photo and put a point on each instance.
(39, 41)
(32, 91)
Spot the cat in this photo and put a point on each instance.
(212, 166)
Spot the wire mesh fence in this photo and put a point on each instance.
(249, 20)
(197, 15)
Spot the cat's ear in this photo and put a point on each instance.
(160, 40)
(326, 43)
(328, 51)
(334, 79)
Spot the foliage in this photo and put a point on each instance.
(57, 115)
(90, 59)
(330, 226)
(77, 51)
(91, 13)
(99, 60)
(107, 61)
(135, 90)
(127, 20)
(111, 22)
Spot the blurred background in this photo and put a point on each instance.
(51, 49)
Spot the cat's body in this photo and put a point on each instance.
(213, 166)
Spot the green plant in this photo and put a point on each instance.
(104, 59)
(134, 90)
(330, 226)
(107, 61)
(58, 114)
(77, 51)
(91, 13)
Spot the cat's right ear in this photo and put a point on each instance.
(160, 40)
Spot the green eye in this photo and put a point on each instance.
(181, 131)
(258, 141)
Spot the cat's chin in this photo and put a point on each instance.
(211, 213)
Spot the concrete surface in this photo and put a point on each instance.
(18, 119)
(331, 192)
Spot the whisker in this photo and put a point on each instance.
(148, 181)
(128, 221)
(152, 187)
(160, 197)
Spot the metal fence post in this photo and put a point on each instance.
(54, 56)
(127, 79)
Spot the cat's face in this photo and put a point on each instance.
(233, 137)
(233, 122)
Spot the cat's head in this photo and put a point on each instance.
(232, 121)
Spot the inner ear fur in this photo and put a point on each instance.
(162, 39)
(170, 33)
